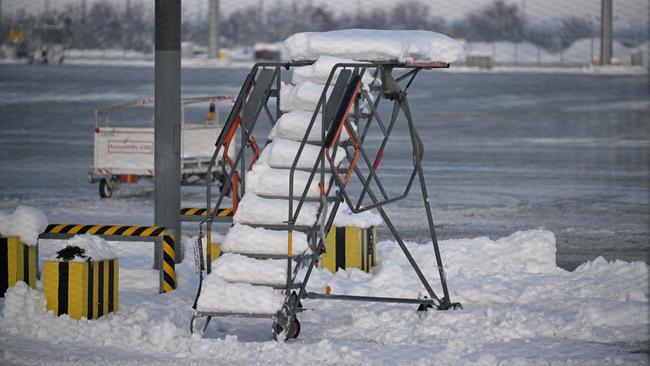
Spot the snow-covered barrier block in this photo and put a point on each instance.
(374, 44)
(18, 262)
(350, 247)
(83, 280)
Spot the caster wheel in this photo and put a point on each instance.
(198, 327)
(105, 188)
(294, 329)
(279, 333)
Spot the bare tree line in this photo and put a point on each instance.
(108, 26)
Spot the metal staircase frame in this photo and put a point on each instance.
(338, 111)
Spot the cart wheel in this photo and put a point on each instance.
(196, 327)
(294, 329)
(105, 188)
(285, 334)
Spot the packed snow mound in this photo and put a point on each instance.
(266, 181)
(268, 211)
(238, 268)
(531, 251)
(26, 223)
(95, 248)
(293, 126)
(250, 240)
(283, 152)
(364, 220)
(319, 71)
(374, 45)
(304, 96)
(221, 296)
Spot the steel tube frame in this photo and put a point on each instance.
(320, 167)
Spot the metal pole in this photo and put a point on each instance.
(213, 29)
(167, 116)
(606, 30)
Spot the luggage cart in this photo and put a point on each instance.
(125, 155)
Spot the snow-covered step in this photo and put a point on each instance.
(266, 181)
(319, 71)
(244, 239)
(302, 96)
(283, 152)
(267, 272)
(267, 211)
(222, 297)
(293, 125)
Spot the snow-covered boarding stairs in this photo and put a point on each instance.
(286, 197)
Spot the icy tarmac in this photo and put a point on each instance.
(506, 153)
(503, 152)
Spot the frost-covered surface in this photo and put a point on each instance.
(283, 152)
(220, 296)
(303, 96)
(251, 240)
(293, 125)
(257, 210)
(366, 219)
(26, 223)
(519, 309)
(319, 71)
(238, 268)
(266, 181)
(374, 44)
(95, 248)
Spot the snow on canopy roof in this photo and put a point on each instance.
(374, 45)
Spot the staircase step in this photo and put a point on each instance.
(222, 297)
(256, 210)
(236, 268)
(266, 181)
(297, 258)
(244, 239)
(282, 227)
(293, 125)
(283, 152)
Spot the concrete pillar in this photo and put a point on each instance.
(167, 119)
(213, 29)
(606, 32)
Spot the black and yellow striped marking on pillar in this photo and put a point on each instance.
(18, 262)
(350, 247)
(88, 289)
(198, 211)
(168, 250)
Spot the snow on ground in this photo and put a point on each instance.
(519, 309)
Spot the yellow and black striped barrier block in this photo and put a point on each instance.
(215, 251)
(198, 213)
(87, 289)
(168, 268)
(18, 262)
(350, 247)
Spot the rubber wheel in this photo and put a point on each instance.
(197, 327)
(294, 329)
(291, 333)
(105, 188)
